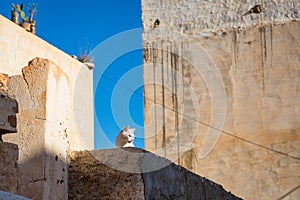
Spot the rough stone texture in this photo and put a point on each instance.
(8, 167)
(198, 17)
(80, 77)
(56, 109)
(257, 68)
(4, 80)
(89, 178)
(8, 110)
(132, 173)
(43, 129)
(9, 196)
(8, 107)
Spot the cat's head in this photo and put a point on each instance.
(128, 134)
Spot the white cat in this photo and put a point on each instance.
(125, 137)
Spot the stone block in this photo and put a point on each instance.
(131, 173)
(8, 111)
(8, 167)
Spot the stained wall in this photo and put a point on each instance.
(9, 166)
(222, 92)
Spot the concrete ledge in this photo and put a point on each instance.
(132, 173)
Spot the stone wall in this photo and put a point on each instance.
(8, 110)
(210, 69)
(44, 129)
(55, 96)
(135, 174)
(8, 167)
(18, 47)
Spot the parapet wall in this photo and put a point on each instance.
(131, 173)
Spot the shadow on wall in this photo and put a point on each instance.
(45, 132)
(44, 172)
(103, 174)
(42, 176)
(43, 142)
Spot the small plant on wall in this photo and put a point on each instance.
(24, 23)
(32, 8)
(84, 57)
(87, 60)
(28, 24)
(32, 12)
(15, 14)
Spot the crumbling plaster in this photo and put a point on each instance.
(44, 130)
(18, 47)
(55, 96)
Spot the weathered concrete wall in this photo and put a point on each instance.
(18, 47)
(197, 17)
(44, 129)
(8, 167)
(135, 174)
(235, 73)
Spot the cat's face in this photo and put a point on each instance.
(125, 137)
(128, 134)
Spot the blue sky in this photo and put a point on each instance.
(74, 26)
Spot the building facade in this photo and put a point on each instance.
(221, 86)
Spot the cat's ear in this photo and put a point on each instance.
(126, 128)
(133, 129)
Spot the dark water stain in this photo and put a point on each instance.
(163, 97)
(154, 90)
(235, 48)
(263, 53)
(271, 40)
(176, 63)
